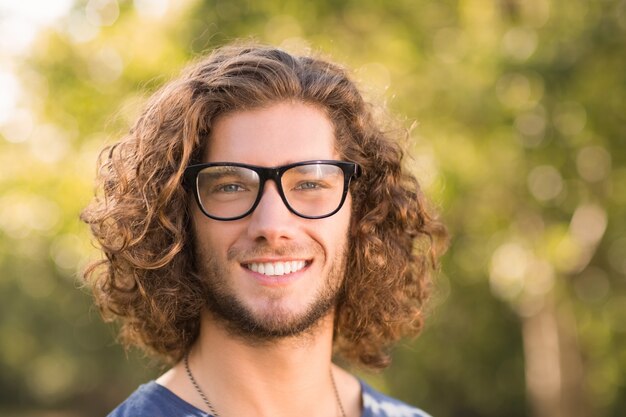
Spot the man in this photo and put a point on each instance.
(255, 221)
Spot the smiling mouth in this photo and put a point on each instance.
(276, 268)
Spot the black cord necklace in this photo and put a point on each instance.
(215, 414)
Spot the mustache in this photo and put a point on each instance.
(262, 250)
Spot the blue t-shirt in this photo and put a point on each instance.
(154, 400)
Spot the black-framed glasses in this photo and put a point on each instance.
(309, 189)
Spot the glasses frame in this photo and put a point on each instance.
(190, 182)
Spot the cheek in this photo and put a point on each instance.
(342, 232)
(333, 233)
(345, 216)
(212, 238)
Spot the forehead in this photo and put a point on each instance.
(279, 134)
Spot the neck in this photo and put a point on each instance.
(290, 376)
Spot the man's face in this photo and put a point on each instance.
(253, 304)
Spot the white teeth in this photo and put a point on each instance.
(276, 268)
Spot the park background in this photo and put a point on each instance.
(517, 111)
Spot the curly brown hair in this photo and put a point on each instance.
(141, 217)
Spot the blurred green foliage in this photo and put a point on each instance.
(520, 143)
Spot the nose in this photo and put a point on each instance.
(271, 220)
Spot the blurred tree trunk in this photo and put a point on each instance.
(554, 371)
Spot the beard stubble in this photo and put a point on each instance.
(240, 321)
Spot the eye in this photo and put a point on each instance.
(310, 185)
(229, 188)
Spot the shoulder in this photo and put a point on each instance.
(376, 404)
(154, 400)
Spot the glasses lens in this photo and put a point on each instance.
(313, 190)
(227, 191)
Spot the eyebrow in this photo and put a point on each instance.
(221, 171)
(217, 172)
(320, 169)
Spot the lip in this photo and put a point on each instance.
(274, 259)
(276, 280)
